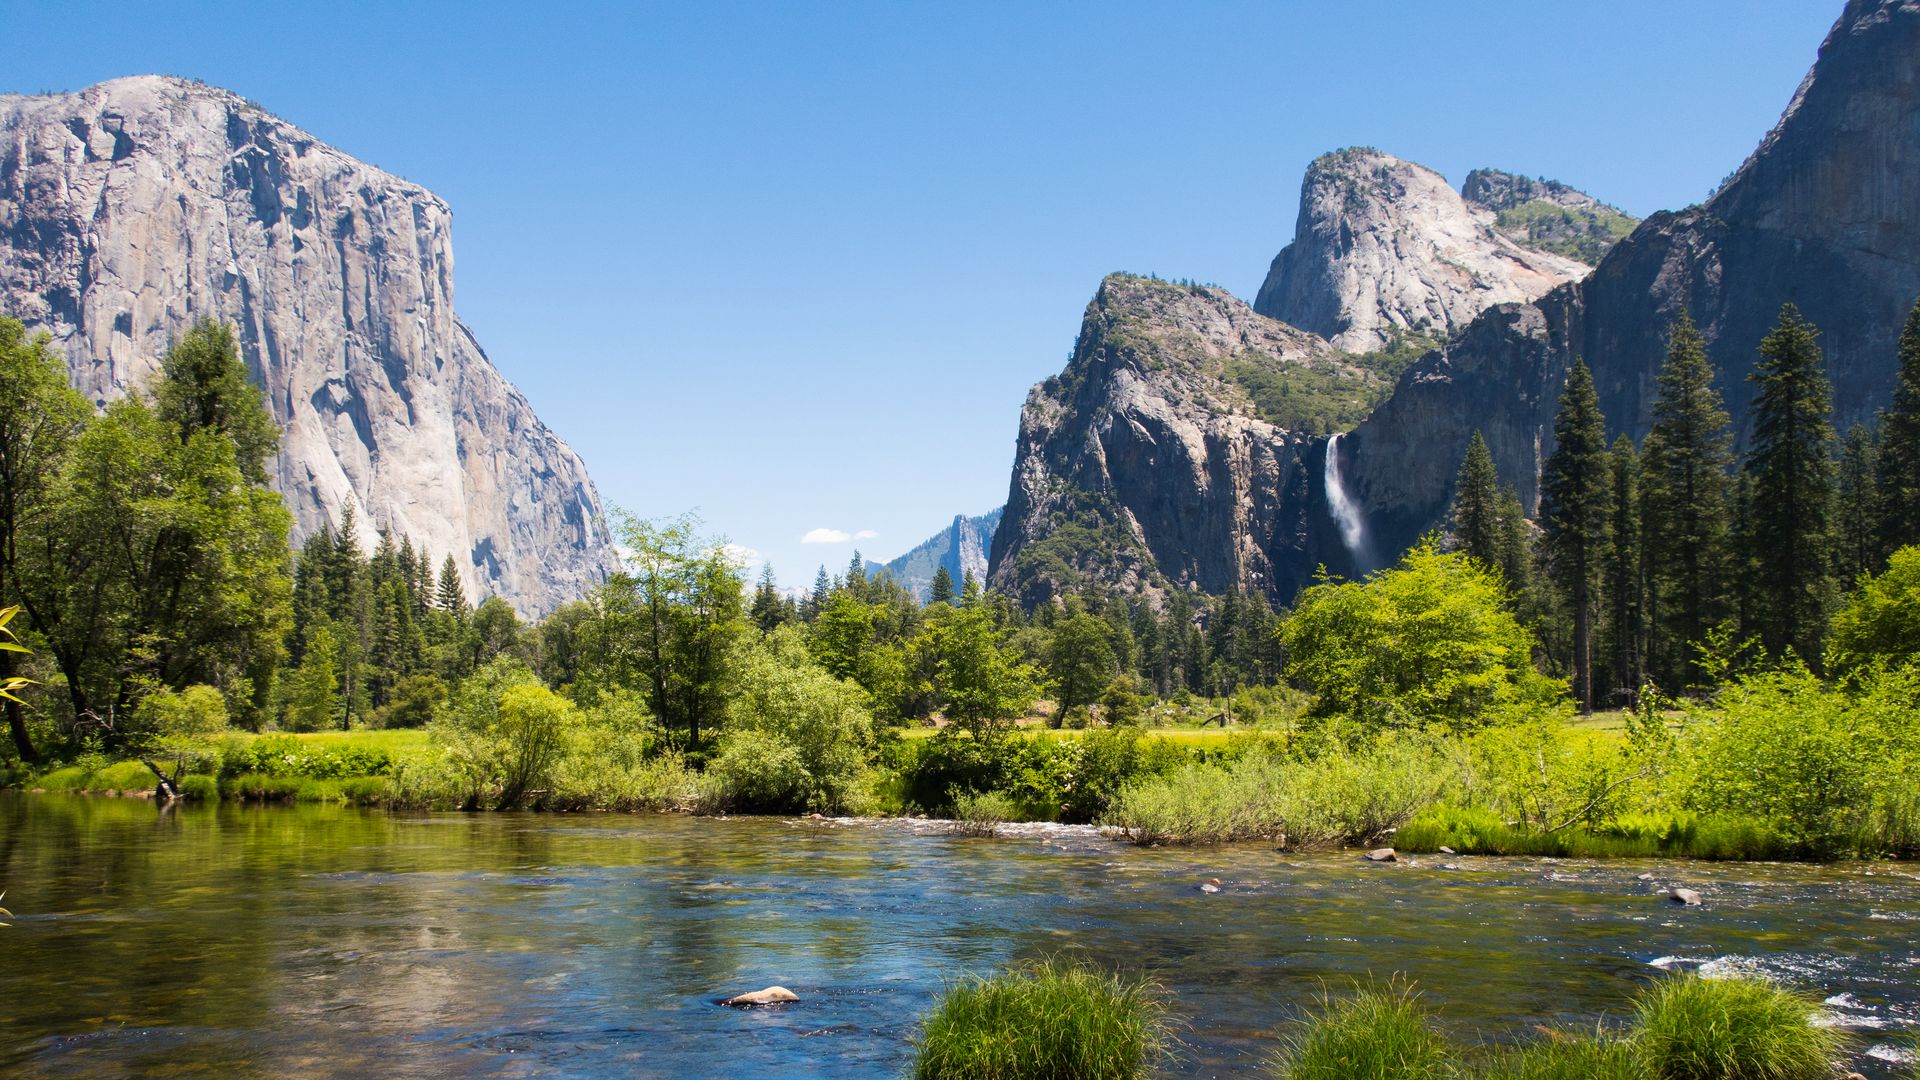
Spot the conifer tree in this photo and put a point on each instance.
(1623, 572)
(1899, 467)
(1476, 504)
(1685, 505)
(942, 591)
(1513, 555)
(1857, 505)
(1576, 488)
(450, 596)
(817, 599)
(1791, 465)
(769, 609)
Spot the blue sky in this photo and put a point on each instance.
(796, 265)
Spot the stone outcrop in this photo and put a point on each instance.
(961, 547)
(1146, 465)
(1384, 246)
(1825, 214)
(132, 208)
(1548, 215)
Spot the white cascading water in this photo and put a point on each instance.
(1353, 530)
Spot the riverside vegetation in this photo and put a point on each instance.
(1759, 712)
(1058, 1019)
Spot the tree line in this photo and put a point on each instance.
(1643, 553)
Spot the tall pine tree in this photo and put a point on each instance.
(1624, 571)
(1900, 447)
(1791, 466)
(1476, 505)
(1685, 505)
(1857, 497)
(1576, 486)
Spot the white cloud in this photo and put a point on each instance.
(741, 554)
(865, 534)
(826, 536)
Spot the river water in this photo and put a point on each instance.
(306, 941)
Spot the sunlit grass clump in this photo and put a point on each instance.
(1045, 1021)
(1692, 1028)
(1374, 1034)
(1601, 1057)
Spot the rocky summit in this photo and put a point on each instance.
(961, 547)
(1384, 247)
(1824, 214)
(1175, 450)
(1548, 215)
(132, 208)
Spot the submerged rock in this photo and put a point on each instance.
(1684, 896)
(772, 995)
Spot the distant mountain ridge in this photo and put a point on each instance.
(961, 547)
(132, 208)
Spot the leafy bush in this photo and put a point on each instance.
(1432, 639)
(166, 717)
(1692, 1028)
(1880, 621)
(1477, 831)
(200, 787)
(1108, 761)
(794, 703)
(284, 755)
(1341, 796)
(755, 771)
(1373, 1034)
(1828, 768)
(415, 701)
(982, 814)
(1046, 1021)
(1034, 772)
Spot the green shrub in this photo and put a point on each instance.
(1477, 831)
(755, 771)
(165, 717)
(981, 814)
(1373, 1034)
(415, 701)
(124, 776)
(785, 694)
(1880, 622)
(1825, 767)
(1432, 640)
(70, 778)
(1693, 1028)
(284, 755)
(200, 787)
(1034, 771)
(1045, 1021)
(502, 735)
(1340, 796)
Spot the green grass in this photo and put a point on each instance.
(1044, 1021)
(1476, 831)
(1690, 1028)
(1376, 1033)
(1567, 1057)
(982, 813)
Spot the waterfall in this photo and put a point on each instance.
(1353, 530)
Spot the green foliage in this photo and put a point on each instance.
(1791, 467)
(1693, 1028)
(285, 756)
(1576, 495)
(1044, 1021)
(415, 701)
(1475, 513)
(1475, 831)
(1898, 468)
(1686, 508)
(1880, 621)
(1034, 772)
(1340, 796)
(755, 771)
(1374, 1033)
(1431, 640)
(983, 686)
(982, 813)
(1586, 234)
(796, 708)
(1565, 1056)
(196, 713)
(1825, 767)
(1081, 661)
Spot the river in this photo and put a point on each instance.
(322, 940)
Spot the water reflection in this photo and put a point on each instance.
(324, 940)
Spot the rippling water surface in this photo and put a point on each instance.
(322, 940)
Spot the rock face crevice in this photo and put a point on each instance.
(132, 208)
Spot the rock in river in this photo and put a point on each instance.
(772, 995)
(1684, 896)
(1384, 854)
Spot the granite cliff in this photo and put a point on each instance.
(1169, 454)
(1825, 214)
(1384, 246)
(132, 208)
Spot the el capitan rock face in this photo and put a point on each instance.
(132, 208)
(1825, 214)
(1146, 465)
(1385, 246)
